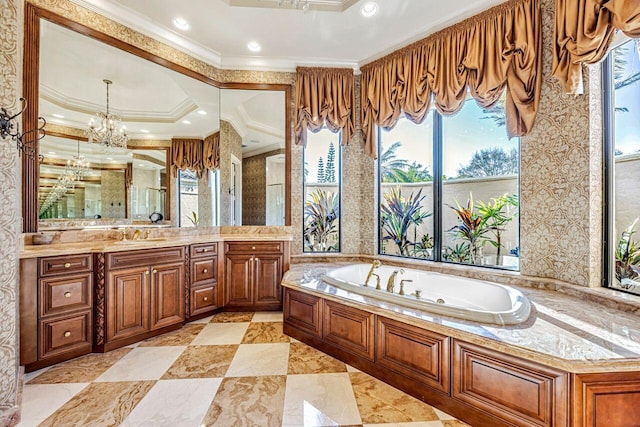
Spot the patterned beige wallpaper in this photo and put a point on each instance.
(10, 90)
(230, 144)
(561, 179)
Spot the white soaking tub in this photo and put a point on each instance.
(460, 297)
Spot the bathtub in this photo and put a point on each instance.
(459, 297)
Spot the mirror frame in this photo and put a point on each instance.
(31, 84)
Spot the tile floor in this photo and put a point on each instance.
(232, 369)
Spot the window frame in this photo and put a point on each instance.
(437, 211)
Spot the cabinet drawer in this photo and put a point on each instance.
(67, 334)
(203, 299)
(144, 257)
(521, 392)
(65, 264)
(203, 270)
(203, 249)
(59, 295)
(349, 328)
(254, 247)
(414, 352)
(303, 311)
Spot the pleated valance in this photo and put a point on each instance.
(324, 96)
(496, 50)
(195, 154)
(211, 152)
(584, 30)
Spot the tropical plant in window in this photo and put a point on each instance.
(390, 163)
(399, 215)
(471, 229)
(496, 215)
(459, 253)
(321, 211)
(628, 258)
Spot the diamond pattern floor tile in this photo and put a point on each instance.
(232, 369)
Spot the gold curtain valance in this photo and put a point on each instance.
(324, 96)
(497, 49)
(583, 32)
(211, 152)
(195, 154)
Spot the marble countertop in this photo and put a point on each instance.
(71, 248)
(563, 331)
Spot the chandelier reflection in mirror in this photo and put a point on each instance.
(10, 128)
(108, 132)
(77, 166)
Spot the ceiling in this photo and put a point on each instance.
(331, 33)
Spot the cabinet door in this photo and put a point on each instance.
(238, 278)
(268, 275)
(167, 295)
(127, 302)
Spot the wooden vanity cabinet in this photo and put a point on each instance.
(253, 271)
(203, 279)
(55, 309)
(143, 296)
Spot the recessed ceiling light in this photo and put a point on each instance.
(202, 112)
(181, 24)
(53, 153)
(140, 164)
(186, 122)
(109, 158)
(144, 131)
(58, 116)
(254, 46)
(370, 8)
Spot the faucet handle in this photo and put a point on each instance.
(418, 293)
(377, 281)
(402, 282)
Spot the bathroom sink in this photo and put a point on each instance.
(135, 242)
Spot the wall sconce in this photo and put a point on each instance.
(23, 142)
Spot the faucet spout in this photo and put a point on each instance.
(391, 283)
(375, 265)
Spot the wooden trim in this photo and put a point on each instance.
(30, 80)
(28, 311)
(99, 302)
(608, 399)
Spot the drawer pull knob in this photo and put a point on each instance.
(146, 273)
(205, 299)
(67, 264)
(155, 271)
(205, 270)
(67, 294)
(253, 247)
(67, 334)
(205, 250)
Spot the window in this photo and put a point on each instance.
(449, 189)
(194, 194)
(622, 156)
(322, 167)
(406, 189)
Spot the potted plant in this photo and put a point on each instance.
(496, 215)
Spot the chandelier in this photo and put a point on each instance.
(107, 132)
(77, 166)
(298, 4)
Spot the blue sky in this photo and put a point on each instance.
(627, 126)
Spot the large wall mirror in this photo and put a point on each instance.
(67, 70)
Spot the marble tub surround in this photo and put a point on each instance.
(563, 331)
(607, 297)
(241, 383)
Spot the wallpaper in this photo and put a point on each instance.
(10, 90)
(230, 144)
(113, 194)
(561, 179)
(254, 183)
